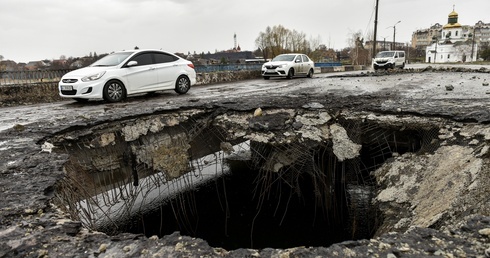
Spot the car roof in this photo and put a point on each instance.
(142, 50)
(291, 54)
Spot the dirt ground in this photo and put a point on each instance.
(31, 225)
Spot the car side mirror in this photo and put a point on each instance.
(132, 63)
(297, 61)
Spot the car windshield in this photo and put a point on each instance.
(112, 59)
(288, 58)
(385, 54)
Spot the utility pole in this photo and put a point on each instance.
(375, 30)
(473, 44)
(394, 35)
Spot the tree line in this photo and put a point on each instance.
(280, 40)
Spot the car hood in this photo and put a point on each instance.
(383, 58)
(89, 70)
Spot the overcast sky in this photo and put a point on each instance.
(46, 29)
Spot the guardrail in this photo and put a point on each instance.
(32, 77)
(227, 67)
(332, 64)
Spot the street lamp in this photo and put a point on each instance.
(394, 34)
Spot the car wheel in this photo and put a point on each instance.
(266, 77)
(403, 66)
(114, 91)
(290, 73)
(182, 85)
(310, 73)
(80, 100)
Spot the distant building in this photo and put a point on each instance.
(455, 43)
(229, 57)
(384, 45)
(421, 39)
(481, 33)
(36, 65)
(8, 66)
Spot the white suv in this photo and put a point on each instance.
(389, 59)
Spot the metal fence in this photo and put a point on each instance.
(333, 64)
(227, 67)
(45, 76)
(30, 77)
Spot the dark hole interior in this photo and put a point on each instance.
(228, 214)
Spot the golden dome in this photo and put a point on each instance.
(452, 21)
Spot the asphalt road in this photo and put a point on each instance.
(408, 87)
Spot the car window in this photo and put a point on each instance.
(112, 59)
(305, 58)
(164, 58)
(143, 59)
(385, 54)
(298, 59)
(402, 54)
(287, 58)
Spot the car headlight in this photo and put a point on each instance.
(93, 77)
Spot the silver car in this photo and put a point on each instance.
(288, 66)
(118, 75)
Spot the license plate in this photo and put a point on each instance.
(66, 87)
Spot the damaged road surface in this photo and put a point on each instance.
(385, 164)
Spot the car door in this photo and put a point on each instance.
(142, 76)
(307, 64)
(167, 68)
(298, 64)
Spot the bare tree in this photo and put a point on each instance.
(278, 40)
(358, 54)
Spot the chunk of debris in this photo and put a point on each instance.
(47, 147)
(449, 87)
(313, 105)
(343, 147)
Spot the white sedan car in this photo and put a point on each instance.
(288, 66)
(124, 73)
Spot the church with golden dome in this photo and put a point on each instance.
(454, 44)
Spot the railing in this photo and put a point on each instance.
(333, 64)
(46, 76)
(227, 67)
(31, 77)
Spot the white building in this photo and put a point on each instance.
(455, 43)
